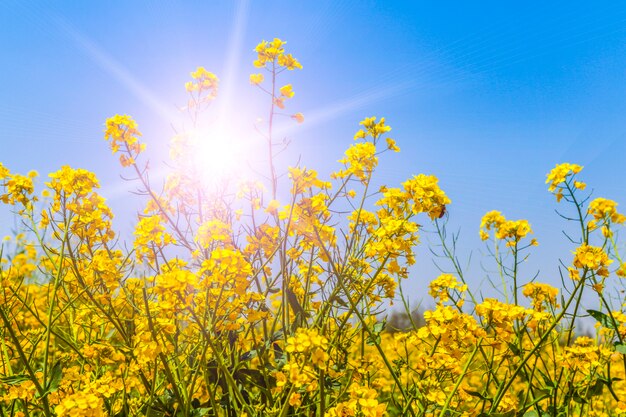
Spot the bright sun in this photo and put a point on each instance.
(218, 152)
(222, 151)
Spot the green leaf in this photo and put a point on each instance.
(55, 377)
(14, 379)
(477, 394)
(378, 327)
(514, 349)
(595, 390)
(373, 341)
(56, 373)
(547, 380)
(199, 412)
(621, 348)
(374, 337)
(602, 318)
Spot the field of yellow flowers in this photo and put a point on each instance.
(232, 303)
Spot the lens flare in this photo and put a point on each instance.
(220, 152)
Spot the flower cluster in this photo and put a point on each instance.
(511, 231)
(273, 53)
(541, 295)
(593, 258)
(19, 188)
(559, 175)
(123, 133)
(440, 288)
(203, 81)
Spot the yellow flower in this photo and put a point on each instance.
(272, 207)
(391, 145)
(274, 52)
(510, 230)
(289, 62)
(19, 189)
(287, 91)
(150, 232)
(592, 257)
(256, 79)
(122, 131)
(542, 295)
(560, 173)
(299, 117)
(440, 287)
(203, 81)
(310, 344)
(214, 231)
(492, 219)
(605, 210)
(373, 128)
(360, 161)
(295, 399)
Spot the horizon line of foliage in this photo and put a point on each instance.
(268, 297)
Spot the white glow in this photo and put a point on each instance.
(218, 153)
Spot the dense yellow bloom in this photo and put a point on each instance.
(122, 131)
(203, 81)
(440, 287)
(498, 313)
(372, 128)
(492, 220)
(456, 330)
(19, 188)
(360, 161)
(274, 53)
(25, 391)
(541, 295)
(559, 174)
(604, 210)
(511, 231)
(213, 231)
(150, 234)
(304, 179)
(73, 190)
(69, 181)
(425, 195)
(4, 171)
(309, 347)
(585, 357)
(363, 402)
(514, 230)
(81, 404)
(593, 258)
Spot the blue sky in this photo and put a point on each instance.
(487, 96)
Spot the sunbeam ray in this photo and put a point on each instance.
(113, 67)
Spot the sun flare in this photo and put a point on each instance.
(222, 150)
(218, 152)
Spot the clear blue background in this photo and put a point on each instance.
(488, 96)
